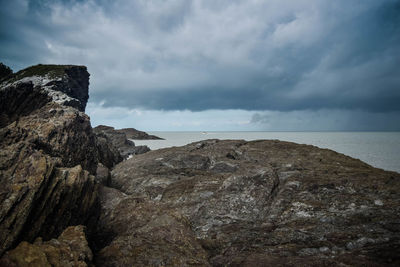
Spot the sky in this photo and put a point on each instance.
(220, 65)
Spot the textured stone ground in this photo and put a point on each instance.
(250, 204)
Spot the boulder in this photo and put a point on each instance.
(69, 249)
(257, 203)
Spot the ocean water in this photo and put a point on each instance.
(379, 149)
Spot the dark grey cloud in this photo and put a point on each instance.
(199, 55)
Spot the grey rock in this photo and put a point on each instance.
(257, 203)
(132, 133)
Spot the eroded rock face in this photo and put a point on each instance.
(69, 249)
(48, 159)
(253, 203)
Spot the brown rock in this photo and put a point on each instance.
(70, 249)
(256, 203)
(48, 157)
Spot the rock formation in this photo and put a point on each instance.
(119, 140)
(70, 249)
(259, 203)
(48, 154)
(65, 84)
(132, 133)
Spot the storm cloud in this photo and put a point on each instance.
(278, 56)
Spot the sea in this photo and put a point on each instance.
(379, 149)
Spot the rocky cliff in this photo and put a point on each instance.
(65, 84)
(48, 154)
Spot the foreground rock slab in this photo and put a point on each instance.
(256, 203)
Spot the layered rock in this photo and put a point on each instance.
(69, 249)
(259, 203)
(48, 154)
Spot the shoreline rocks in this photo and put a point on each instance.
(132, 133)
(260, 203)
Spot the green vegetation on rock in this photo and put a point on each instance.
(53, 71)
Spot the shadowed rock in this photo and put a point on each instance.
(132, 133)
(117, 139)
(65, 84)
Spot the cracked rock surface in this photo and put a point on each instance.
(255, 203)
(48, 155)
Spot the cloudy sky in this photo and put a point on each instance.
(276, 65)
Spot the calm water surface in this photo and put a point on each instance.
(379, 149)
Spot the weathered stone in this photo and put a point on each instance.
(70, 249)
(256, 203)
(48, 157)
(134, 232)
